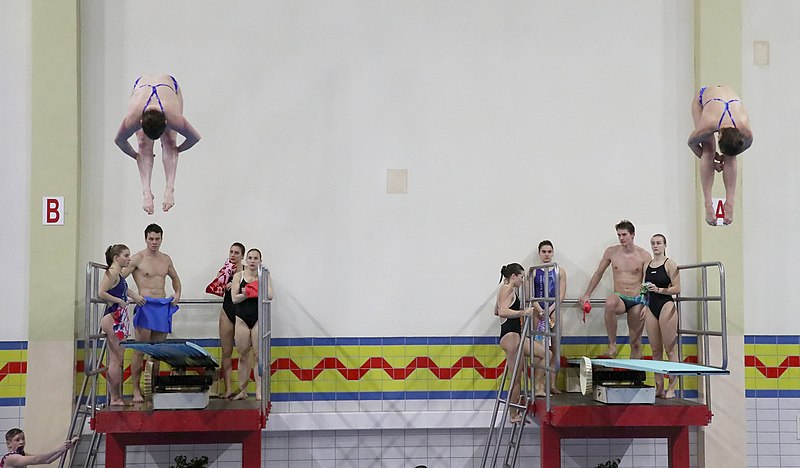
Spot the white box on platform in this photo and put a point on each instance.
(625, 394)
(180, 400)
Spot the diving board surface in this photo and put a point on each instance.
(176, 353)
(661, 367)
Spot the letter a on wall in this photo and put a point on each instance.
(719, 209)
(53, 211)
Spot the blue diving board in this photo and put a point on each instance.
(660, 367)
(176, 353)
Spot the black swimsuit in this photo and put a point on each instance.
(659, 277)
(228, 306)
(514, 324)
(247, 310)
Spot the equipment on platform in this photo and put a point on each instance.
(178, 390)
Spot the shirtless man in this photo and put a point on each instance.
(155, 112)
(626, 260)
(150, 268)
(717, 109)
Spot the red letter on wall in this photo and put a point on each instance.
(53, 211)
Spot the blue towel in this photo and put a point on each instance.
(155, 314)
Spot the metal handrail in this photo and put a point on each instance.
(265, 336)
(703, 334)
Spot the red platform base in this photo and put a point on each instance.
(222, 422)
(574, 416)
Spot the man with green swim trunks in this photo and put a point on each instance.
(626, 260)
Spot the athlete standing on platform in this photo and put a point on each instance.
(153, 315)
(717, 109)
(115, 323)
(244, 294)
(546, 321)
(227, 318)
(508, 307)
(663, 279)
(155, 112)
(16, 456)
(626, 261)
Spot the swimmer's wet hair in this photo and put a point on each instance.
(154, 122)
(543, 243)
(731, 141)
(12, 433)
(510, 269)
(153, 228)
(240, 245)
(662, 236)
(626, 225)
(256, 250)
(114, 250)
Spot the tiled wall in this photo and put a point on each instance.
(435, 448)
(442, 374)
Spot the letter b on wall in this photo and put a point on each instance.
(53, 211)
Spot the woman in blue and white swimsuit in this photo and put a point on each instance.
(155, 112)
(717, 110)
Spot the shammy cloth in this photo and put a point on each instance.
(155, 314)
(217, 286)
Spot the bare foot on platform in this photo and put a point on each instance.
(610, 353)
(147, 203)
(118, 402)
(669, 395)
(240, 396)
(137, 396)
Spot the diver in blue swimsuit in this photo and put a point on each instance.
(155, 112)
(718, 111)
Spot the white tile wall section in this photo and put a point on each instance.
(403, 448)
(771, 442)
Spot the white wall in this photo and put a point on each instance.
(769, 169)
(15, 150)
(531, 121)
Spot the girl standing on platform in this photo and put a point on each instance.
(227, 317)
(509, 308)
(244, 293)
(115, 322)
(662, 279)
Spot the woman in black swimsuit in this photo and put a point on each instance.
(509, 308)
(663, 279)
(246, 328)
(227, 320)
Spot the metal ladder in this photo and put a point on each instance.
(529, 380)
(94, 352)
(526, 397)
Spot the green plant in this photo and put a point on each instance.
(609, 464)
(180, 462)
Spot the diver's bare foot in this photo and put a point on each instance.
(611, 352)
(169, 200)
(728, 209)
(137, 396)
(118, 402)
(711, 215)
(669, 395)
(241, 396)
(554, 390)
(515, 417)
(147, 202)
